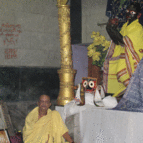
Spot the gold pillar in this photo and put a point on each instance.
(66, 73)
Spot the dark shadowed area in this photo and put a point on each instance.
(27, 83)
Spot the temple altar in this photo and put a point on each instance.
(100, 125)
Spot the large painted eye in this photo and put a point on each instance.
(85, 83)
(91, 84)
(132, 12)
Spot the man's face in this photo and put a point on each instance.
(44, 102)
(131, 13)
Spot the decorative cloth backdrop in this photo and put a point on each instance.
(116, 9)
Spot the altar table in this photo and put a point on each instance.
(99, 125)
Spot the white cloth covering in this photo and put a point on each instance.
(72, 107)
(98, 125)
(110, 102)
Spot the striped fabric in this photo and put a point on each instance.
(133, 97)
(129, 48)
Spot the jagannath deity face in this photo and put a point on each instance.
(89, 84)
(132, 12)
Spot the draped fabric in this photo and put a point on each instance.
(49, 128)
(117, 9)
(133, 97)
(121, 62)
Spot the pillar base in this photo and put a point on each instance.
(66, 93)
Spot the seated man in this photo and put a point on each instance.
(125, 52)
(45, 126)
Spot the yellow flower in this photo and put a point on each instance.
(98, 53)
(96, 56)
(103, 44)
(105, 49)
(106, 44)
(96, 38)
(102, 38)
(90, 46)
(95, 34)
(97, 41)
(90, 52)
(94, 48)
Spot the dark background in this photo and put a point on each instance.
(27, 83)
(75, 15)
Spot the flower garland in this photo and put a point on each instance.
(98, 49)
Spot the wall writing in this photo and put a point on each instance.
(10, 33)
(10, 53)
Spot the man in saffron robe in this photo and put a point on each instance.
(45, 126)
(124, 53)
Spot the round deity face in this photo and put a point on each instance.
(132, 12)
(89, 84)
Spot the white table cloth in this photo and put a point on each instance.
(98, 125)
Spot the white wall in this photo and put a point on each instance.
(93, 12)
(38, 43)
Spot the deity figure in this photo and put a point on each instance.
(125, 52)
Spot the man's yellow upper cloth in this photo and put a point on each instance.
(121, 62)
(50, 127)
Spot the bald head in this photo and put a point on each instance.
(44, 96)
(44, 102)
